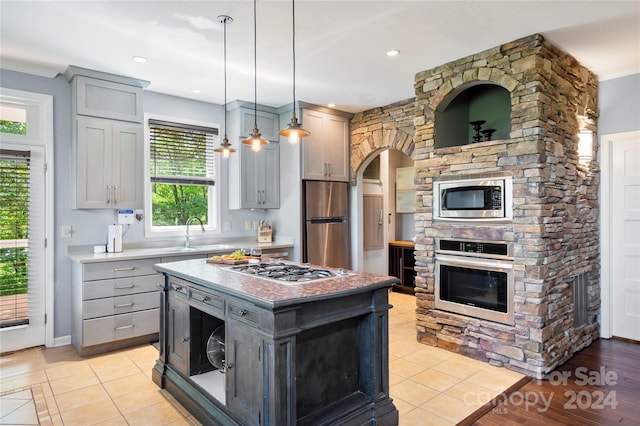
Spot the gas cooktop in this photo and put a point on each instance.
(287, 272)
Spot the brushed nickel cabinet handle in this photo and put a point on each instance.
(124, 327)
(131, 268)
(108, 190)
(124, 305)
(122, 287)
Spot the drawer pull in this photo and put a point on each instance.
(131, 268)
(124, 305)
(178, 288)
(185, 339)
(124, 326)
(229, 365)
(242, 313)
(122, 287)
(205, 298)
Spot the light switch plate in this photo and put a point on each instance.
(66, 231)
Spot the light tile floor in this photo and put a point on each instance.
(55, 386)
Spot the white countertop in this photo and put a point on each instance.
(85, 256)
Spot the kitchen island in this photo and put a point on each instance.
(295, 353)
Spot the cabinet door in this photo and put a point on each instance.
(250, 182)
(267, 124)
(101, 98)
(313, 161)
(127, 166)
(93, 163)
(337, 145)
(260, 179)
(271, 177)
(325, 153)
(244, 372)
(178, 331)
(373, 221)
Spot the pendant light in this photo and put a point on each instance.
(225, 146)
(294, 132)
(255, 139)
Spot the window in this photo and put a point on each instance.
(180, 176)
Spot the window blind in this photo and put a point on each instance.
(182, 154)
(14, 237)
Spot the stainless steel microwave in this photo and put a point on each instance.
(473, 199)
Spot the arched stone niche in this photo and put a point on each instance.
(476, 101)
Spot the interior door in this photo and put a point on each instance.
(625, 237)
(22, 254)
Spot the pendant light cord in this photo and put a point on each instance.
(293, 23)
(255, 70)
(225, 80)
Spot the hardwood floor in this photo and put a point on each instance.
(600, 385)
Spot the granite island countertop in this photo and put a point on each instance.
(269, 293)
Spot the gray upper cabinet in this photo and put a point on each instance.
(106, 99)
(107, 139)
(325, 153)
(108, 164)
(254, 177)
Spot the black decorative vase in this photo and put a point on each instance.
(477, 125)
(487, 134)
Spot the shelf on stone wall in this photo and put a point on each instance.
(482, 102)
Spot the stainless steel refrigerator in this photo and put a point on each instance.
(326, 217)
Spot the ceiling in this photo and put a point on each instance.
(340, 45)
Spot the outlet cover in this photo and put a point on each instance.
(227, 226)
(247, 225)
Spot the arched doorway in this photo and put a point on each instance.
(376, 218)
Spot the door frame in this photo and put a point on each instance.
(44, 103)
(606, 221)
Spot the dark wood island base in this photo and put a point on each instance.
(312, 353)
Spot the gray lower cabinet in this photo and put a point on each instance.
(114, 304)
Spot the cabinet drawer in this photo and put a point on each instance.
(107, 99)
(207, 300)
(120, 305)
(178, 287)
(116, 327)
(249, 314)
(118, 269)
(120, 286)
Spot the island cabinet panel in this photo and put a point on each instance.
(178, 327)
(244, 372)
(319, 357)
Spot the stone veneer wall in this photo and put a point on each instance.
(555, 230)
(554, 233)
(389, 127)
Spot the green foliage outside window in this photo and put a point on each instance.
(174, 204)
(13, 127)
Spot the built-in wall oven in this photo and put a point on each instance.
(475, 278)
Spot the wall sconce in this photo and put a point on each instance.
(585, 146)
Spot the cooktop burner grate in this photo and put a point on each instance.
(284, 271)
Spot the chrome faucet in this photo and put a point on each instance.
(191, 219)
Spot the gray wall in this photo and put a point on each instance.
(619, 105)
(90, 225)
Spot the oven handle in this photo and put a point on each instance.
(465, 261)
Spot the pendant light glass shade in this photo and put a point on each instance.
(225, 146)
(294, 132)
(255, 138)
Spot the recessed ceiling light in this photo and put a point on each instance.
(331, 105)
(140, 59)
(393, 52)
(196, 91)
